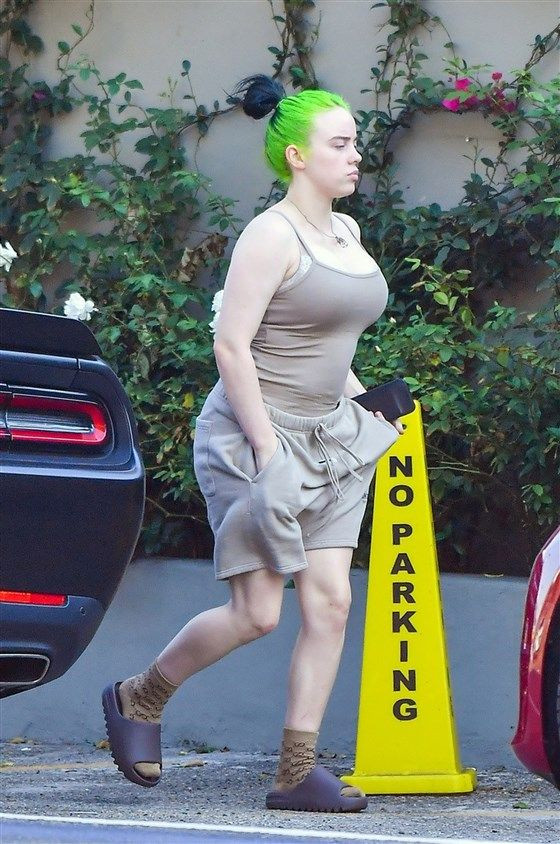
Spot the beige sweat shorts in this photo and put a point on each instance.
(311, 494)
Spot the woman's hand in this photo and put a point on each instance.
(396, 423)
(265, 455)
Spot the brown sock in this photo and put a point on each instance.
(142, 698)
(297, 759)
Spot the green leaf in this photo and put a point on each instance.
(77, 29)
(441, 297)
(64, 47)
(441, 256)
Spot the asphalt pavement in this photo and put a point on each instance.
(216, 795)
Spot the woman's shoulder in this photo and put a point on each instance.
(267, 222)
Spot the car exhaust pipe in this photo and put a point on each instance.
(23, 669)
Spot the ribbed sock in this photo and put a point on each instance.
(297, 759)
(144, 695)
(142, 698)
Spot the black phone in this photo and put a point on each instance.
(393, 399)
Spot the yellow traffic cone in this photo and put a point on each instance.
(406, 741)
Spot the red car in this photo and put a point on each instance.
(537, 740)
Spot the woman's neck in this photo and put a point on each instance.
(317, 209)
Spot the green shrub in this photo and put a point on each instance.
(487, 379)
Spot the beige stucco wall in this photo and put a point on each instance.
(227, 39)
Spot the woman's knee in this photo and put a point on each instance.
(256, 603)
(253, 621)
(329, 610)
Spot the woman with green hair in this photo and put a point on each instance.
(282, 455)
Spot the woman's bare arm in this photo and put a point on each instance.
(257, 267)
(353, 385)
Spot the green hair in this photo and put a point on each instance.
(292, 120)
(292, 123)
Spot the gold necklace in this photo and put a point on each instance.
(340, 240)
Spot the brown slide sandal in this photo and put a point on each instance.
(131, 741)
(318, 792)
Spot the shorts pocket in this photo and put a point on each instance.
(272, 460)
(375, 436)
(202, 471)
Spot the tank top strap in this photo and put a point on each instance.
(299, 236)
(342, 220)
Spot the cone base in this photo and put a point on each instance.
(461, 782)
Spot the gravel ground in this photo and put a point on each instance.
(221, 786)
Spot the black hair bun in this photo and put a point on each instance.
(262, 95)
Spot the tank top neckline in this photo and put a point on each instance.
(321, 263)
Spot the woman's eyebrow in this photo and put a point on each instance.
(343, 138)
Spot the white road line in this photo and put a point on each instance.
(254, 830)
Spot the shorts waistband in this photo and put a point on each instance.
(291, 421)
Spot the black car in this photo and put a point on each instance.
(72, 493)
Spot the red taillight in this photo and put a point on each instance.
(56, 420)
(43, 598)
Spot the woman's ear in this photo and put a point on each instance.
(294, 157)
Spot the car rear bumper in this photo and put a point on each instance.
(39, 643)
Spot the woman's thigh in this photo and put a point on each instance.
(323, 588)
(257, 594)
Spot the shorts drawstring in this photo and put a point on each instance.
(331, 469)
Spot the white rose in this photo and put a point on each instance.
(216, 305)
(79, 308)
(7, 255)
(217, 300)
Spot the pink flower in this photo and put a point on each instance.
(39, 95)
(452, 105)
(462, 84)
(471, 101)
(496, 75)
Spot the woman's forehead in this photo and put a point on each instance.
(335, 123)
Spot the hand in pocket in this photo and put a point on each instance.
(265, 455)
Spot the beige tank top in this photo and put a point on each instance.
(307, 339)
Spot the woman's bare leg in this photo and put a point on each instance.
(324, 595)
(252, 611)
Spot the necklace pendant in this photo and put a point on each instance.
(341, 241)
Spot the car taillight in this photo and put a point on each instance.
(42, 598)
(54, 420)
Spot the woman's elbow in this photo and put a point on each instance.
(225, 349)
